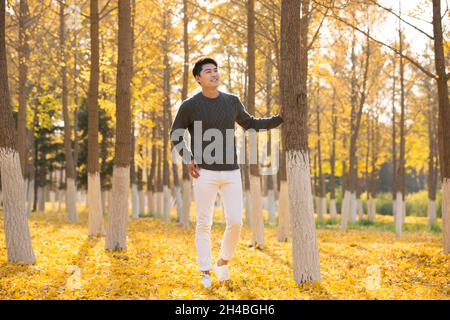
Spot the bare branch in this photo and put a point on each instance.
(316, 34)
(66, 5)
(104, 7)
(107, 13)
(398, 16)
(411, 60)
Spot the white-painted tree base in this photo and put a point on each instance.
(322, 201)
(104, 200)
(371, 209)
(159, 203)
(85, 198)
(248, 208)
(17, 233)
(41, 199)
(116, 236)
(185, 214)
(316, 205)
(352, 207)
(167, 205)
(431, 212)
(305, 253)
(446, 213)
(142, 202)
(110, 200)
(71, 200)
(30, 196)
(257, 216)
(333, 210)
(25, 191)
(398, 214)
(178, 202)
(394, 205)
(150, 202)
(345, 210)
(359, 209)
(135, 202)
(95, 208)
(53, 200)
(61, 199)
(284, 226)
(82, 197)
(403, 211)
(271, 206)
(263, 202)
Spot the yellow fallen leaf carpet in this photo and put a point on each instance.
(366, 262)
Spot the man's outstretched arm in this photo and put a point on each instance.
(247, 121)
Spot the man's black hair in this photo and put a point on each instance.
(199, 64)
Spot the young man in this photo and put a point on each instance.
(215, 114)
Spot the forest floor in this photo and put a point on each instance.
(366, 262)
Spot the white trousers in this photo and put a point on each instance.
(206, 186)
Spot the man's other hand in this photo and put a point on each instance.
(194, 169)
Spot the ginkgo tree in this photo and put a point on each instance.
(18, 240)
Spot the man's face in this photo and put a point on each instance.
(209, 76)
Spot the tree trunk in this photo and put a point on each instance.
(345, 193)
(443, 122)
(375, 138)
(76, 144)
(369, 132)
(166, 109)
(284, 225)
(315, 186)
(135, 209)
(118, 219)
(322, 204)
(177, 191)
(140, 188)
(356, 114)
(400, 179)
(151, 185)
(359, 206)
(61, 194)
(23, 56)
(246, 184)
(95, 209)
(134, 189)
(186, 192)
(271, 205)
(159, 186)
(257, 220)
(71, 190)
(17, 234)
(176, 180)
(293, 80)
(394, 142)
(31, 166)
(432, 156)
(186, 188)
(333, 210)
(52, 193)
(350, 185)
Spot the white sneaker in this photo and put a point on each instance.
(206, 280)
(221, 272)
